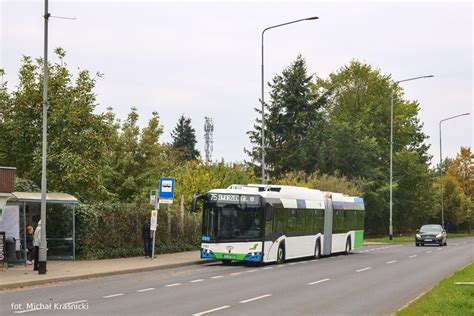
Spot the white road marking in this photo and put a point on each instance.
(113, 295)
(27, 310)
(198, 280)
(236, 273)
(429, 251)
(250, 271)
(364, 269)
(255, 298)
(464, 283)
(412, 256)
(145, 290)
(389, 262)
(217, 277)
(332, 257)
(267, 268)
(292, 264)
(212, 310)
(76, 302)
(280, 266)
(320, 281)
(174, 284)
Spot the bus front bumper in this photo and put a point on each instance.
(249, 257)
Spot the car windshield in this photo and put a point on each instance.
(431, 229)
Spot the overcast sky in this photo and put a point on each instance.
(203, 58)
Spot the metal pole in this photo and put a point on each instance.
(441, 174)
(157, 208)
(441, 163)
(74, 231)
(264, 178)
(43, 246)
(390, 228)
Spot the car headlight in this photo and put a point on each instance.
(439, 236)
(418, 236)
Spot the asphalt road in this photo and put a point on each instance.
(376, 280)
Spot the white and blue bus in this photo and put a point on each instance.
(273, 223)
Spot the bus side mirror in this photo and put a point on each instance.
(196, 199)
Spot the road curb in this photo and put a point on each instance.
(98, 275)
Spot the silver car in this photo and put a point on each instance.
(431, 234)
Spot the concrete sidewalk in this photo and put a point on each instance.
(21, 275)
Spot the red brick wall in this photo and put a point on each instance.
(7, 179)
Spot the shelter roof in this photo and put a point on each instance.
(52, 197)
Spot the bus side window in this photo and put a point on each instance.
(291, 227)
(269, 220)
(280, 220)
(308, 221)
(300, 221)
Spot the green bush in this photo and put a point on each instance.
(112, 230)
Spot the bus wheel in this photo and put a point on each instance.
(226, 262)
(281, 255)
(317, 250)
(348, 246)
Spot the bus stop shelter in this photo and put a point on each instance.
(24, 208)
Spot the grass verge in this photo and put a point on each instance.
(411, 238)
(446, 298)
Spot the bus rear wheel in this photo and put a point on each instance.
(317, 250)
(281, 255)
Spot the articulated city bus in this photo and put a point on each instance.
(273, 223)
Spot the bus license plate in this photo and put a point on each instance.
(228, 256)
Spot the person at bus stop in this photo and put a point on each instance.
(29, 243)
(147, 238)
(36, 243)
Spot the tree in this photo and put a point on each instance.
(459, 189)
(77, 150)
(184, 139)
(359, 143)
(294, 123)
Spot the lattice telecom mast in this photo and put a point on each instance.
(208, 142)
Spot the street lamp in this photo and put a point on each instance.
(390, 228)
(264, 180)
(441, 162)
(43, 247)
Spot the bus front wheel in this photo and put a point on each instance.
(281, 254)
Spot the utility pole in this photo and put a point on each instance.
(43, 246)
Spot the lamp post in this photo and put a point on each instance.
(43, 247)
(390, 228)
(264, 179)
(441, 162)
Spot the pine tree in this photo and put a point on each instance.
(184, 139)
(294, 123)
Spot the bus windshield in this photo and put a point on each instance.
(232, 221)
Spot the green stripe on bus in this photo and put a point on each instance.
(229, 256)
(359, 239)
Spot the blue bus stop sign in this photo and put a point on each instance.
(166, 188)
